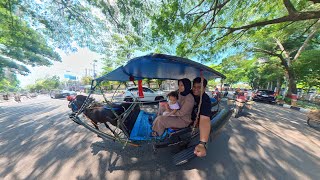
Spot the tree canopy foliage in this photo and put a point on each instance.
(307, 69)
(207, 30)
(10, 83)
(208, 27)
(202, 30)
(20, 45)
(48, 83)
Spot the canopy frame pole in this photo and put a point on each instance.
(92, 88)
(120, 118)
(115, 92)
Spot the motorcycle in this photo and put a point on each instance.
(17, 98)
(239, 106)
(225, 94)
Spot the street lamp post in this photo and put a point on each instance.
(94, 68)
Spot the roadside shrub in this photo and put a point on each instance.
(308, 105)
(287, 100)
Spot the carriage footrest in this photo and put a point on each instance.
(184, 156)
(72, 116)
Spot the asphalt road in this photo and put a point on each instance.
(38, 141)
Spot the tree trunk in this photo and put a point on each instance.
(292, 86)
(279, 84)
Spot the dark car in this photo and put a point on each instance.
(264, 95)
(61, 94)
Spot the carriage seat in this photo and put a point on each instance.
(173, 129)
(132, 117)
(214, 103)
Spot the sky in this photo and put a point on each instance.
(75, 63)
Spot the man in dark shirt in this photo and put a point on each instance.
(205, 108)
(204, 116)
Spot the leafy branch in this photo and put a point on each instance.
(292, 16)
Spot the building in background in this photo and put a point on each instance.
(71, 81)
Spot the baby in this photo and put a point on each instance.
(169, 108)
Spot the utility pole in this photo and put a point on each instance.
(94, 69)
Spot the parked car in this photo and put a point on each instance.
(149, 94)
(61, 94)
(264, 95)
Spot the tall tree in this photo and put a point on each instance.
(234, 68)
(31, 30)
(20, 45)
(288, 47)
(10, 83)
(264, 73)
(212, 26)
(307, 69)
(47, 83)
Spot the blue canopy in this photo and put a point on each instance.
(160, 66)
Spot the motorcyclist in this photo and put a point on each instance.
(216, 94)
(17, 97)
(241, 96)
(236, 93)
(225, 93)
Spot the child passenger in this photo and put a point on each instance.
(169, 108)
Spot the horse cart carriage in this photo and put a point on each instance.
(129, 123)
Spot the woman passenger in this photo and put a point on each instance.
(182, 116)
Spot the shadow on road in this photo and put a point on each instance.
(38, 141)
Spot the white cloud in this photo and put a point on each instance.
(76, 63)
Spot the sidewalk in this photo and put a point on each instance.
(304, 110)
(294, 108)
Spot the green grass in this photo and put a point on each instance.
(287, 100)
(307, 105)
(303, 104)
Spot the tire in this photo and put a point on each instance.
(313, 123)
(128, 99)
(236, 112)
(240, 110)
(184, 156)
(159, 98)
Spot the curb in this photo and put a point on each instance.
(295, 108)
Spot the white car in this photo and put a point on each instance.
(149, 94)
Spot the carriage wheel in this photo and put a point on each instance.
(182, 145)
(184, 156)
